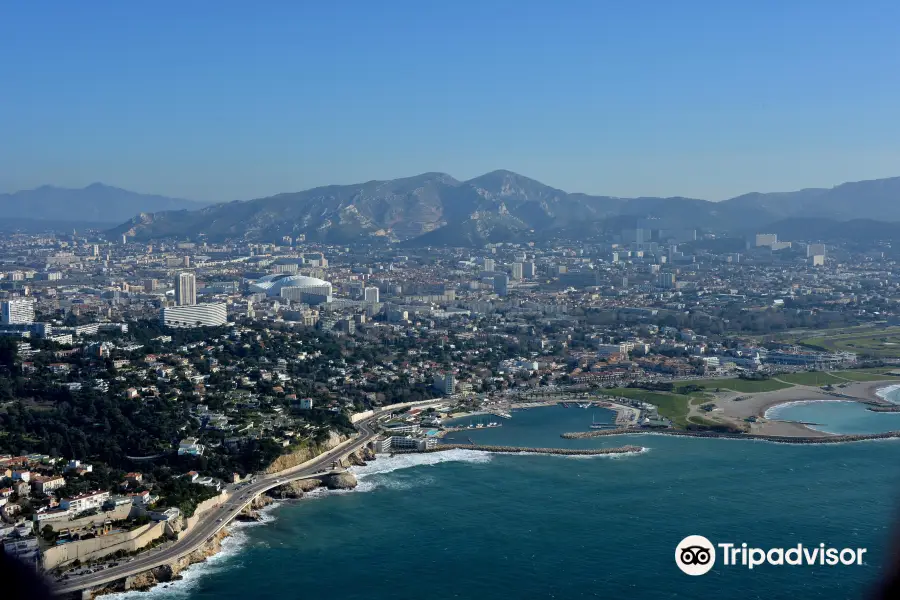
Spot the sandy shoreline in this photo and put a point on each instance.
(736, 407)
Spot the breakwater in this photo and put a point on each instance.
(884, 409)
(829, 439)
(523, 449)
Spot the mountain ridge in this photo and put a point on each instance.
(436, 208)
(96, 203)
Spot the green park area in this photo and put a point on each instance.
(746, 386)
(812, 378)
(882, 342)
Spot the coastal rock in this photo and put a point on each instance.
(258, 502)
(295, 489)
(361, 457)
(249, 516)
(164, 573)
(341, 481)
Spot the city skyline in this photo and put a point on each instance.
(702, 100)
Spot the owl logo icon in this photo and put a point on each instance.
(695, 555)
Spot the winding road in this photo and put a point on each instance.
(216, 518)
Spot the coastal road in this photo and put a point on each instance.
(216, 518)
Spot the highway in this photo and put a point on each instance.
(216, 518)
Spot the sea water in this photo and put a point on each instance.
(841, 416)
(464, 524)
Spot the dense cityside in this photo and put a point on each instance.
(146, 383)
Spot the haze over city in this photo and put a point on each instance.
(223, 101)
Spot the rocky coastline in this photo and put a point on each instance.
(165, 573)
(828, 439)
(525, 450)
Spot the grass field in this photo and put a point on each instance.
(746, 386)
(813, 378)
(671, 406)
(864, 375)
(880, 342)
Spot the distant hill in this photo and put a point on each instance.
(437, 209)
(96, 203)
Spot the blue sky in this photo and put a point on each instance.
(234, 100)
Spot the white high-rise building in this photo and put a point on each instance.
(516, 270)
(196, 315)
(17, 310)
(488, 264)
(370, 294)
(186, 289)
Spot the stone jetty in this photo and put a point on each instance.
(521, 449)
(830, 439)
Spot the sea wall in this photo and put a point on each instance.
(203, 507)
(119, 514)
(830, 439)
(522, 449)
(103, 545)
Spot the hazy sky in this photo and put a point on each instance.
(221, 100)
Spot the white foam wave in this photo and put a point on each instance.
(618, 456)
(773, 412)
(384, 465)
(886, 393)
(231, 547)
(191, 576)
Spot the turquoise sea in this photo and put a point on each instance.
(461, 524)
(837, 416)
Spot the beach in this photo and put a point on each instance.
(735, 407)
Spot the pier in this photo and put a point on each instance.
(829, 439)
(527, 450)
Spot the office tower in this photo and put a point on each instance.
(370, 294)
(488, 264)
(186, 289)
(528, 270)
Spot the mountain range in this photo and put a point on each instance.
(437, 209)
(96, 203)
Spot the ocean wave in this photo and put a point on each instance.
(384, 465)
(885, 393)
(223, 560)
(619, 456)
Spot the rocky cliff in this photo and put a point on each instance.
(298, 457)
(165, 573)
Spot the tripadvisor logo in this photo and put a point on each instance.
(696, 555)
